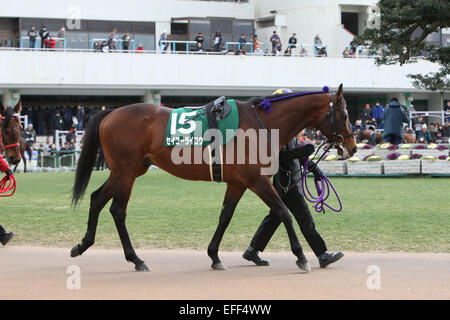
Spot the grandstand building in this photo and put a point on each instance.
(74, 72)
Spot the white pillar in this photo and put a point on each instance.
(10, 97)
(153, 97)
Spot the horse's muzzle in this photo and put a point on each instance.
(13, 160)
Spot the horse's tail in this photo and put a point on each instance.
(87, 157)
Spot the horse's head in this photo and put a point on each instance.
(336, 124)
(10, 132)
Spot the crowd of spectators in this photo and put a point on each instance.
(371, 120)
(125, 43)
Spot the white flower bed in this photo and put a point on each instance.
(436, 167)
(365, 167)
(333, 167)
(401, 166)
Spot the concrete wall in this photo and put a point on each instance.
(310, 17)
(199, 74)
(130, 10)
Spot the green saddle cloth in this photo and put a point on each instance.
(181, 131)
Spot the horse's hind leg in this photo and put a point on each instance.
(232, 197)
(122, 192)
(265, 190)
(99, 199)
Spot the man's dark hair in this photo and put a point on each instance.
(394, 99)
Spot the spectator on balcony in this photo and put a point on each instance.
(44, 34)
(97, 47)
(424, 135)
(366, 114)
(293, 41)
(217, 41)
(256, 45)
(61, 36)
(347, 53)
(126, 40)
(242, 41)
(113, 40)
(288, 52)
(239, 52)
(275, 39)
(104, 47)
(377, 113)
(224, 49)
(199, 39)
(32, 35)
(278, 48)
(163, 45)
(140, 48)
(303, 52)
(199, 47)
(111, 45)
(319, 48)
(50, 43)
(80, 117)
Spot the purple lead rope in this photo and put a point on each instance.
(323, 191)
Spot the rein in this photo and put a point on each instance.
(11, 187)
(2, 146)
(323, 187)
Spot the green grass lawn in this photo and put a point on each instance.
(380, 214)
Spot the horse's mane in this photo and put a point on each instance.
(258, 100)
(9, 112)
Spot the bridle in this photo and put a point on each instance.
(337, 139)
(3, 147)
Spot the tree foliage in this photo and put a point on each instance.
(402, 34)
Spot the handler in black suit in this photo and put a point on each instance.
(290, 192)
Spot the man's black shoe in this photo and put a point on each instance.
(254, 257)
(6, 237)
(326, 258)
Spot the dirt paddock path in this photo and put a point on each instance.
(41, 273)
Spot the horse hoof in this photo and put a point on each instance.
(142, 267)
(74, 252)
(218, 266)
(304, 266)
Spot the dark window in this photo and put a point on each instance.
(99, 26)
(243, 27)
(196, 26)
(144, 27)
(178, 28)
(350, 21)
(122, 27)
(224, 26)
(53, 24)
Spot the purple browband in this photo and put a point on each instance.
(265, 104)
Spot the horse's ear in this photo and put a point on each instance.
(339, 93)
(18, 107)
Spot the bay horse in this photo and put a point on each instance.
(407, 137)
(10, 132)
(132, 138)
(22, 149)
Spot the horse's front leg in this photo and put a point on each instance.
(232, 197)
(266, 191)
